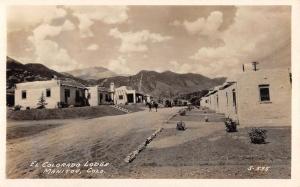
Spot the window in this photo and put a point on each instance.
(264, 92)
(24, 95)
(234, 98)
(48, 93)
(120, 97)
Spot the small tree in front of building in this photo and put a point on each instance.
(42, 102)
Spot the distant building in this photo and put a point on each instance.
(99, 95)
(127, 95)
(255, 97)
(55, 92)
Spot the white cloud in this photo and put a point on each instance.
(88, 15)
(180, 68)
(92, 47)
(20, 17)
(48, 51)
(136, 41)
(207, 27)
(119, 66)
(84, 25)
(256, 32)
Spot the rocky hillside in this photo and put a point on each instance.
(17, 72)
(91, 73)
(165, 84)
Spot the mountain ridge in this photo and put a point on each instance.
(166, 84)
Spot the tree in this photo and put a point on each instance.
(42, 102)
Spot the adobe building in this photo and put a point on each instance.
(55, 92)
(127, 95)
(258, 97)
(98, 95)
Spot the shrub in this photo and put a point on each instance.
(182, 112)
(206, 119)
(180, 126)
(42, 102)
(17, 107)
(258, 135)
(230, 125)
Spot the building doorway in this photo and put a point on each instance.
(130, 98)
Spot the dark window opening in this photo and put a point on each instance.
(24, 94)
(48, 93)
(121, 97)
(234, 100)
(264, 92)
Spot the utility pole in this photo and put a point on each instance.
(140, 85)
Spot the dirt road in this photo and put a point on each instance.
(107, 139)
(203, 150)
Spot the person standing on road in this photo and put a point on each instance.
(155, 106)
(150, 106)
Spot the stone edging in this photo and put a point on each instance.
(142, 146)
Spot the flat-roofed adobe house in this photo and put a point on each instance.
(264, 97)
(55, 92)
(227, 95)
(99, 95)
(127, 95)
(124, 95)
(259, 97)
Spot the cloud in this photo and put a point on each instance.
(119, 66)
(207, 27)
(88, 15)
(48, 51)
(250, 38)
(136, 41)
(92, 47)
(20, 17)
(180, 68)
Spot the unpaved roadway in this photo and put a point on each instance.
(107, 139)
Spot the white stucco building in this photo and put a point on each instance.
(99, 95)
(127, 95)
(255, 97)
(54, 91)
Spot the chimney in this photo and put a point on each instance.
(254, 64)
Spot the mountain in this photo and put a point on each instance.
(17, 72)
(92, 73)
(165, 84)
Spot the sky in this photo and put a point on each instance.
(210, 40)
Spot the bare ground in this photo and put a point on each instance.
(204, 150)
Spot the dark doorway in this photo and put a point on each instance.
(67, 95)
(130, 98)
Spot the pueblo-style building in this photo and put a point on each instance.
(55, 93)
(127, 95)
(62, 93)
(254, 97)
